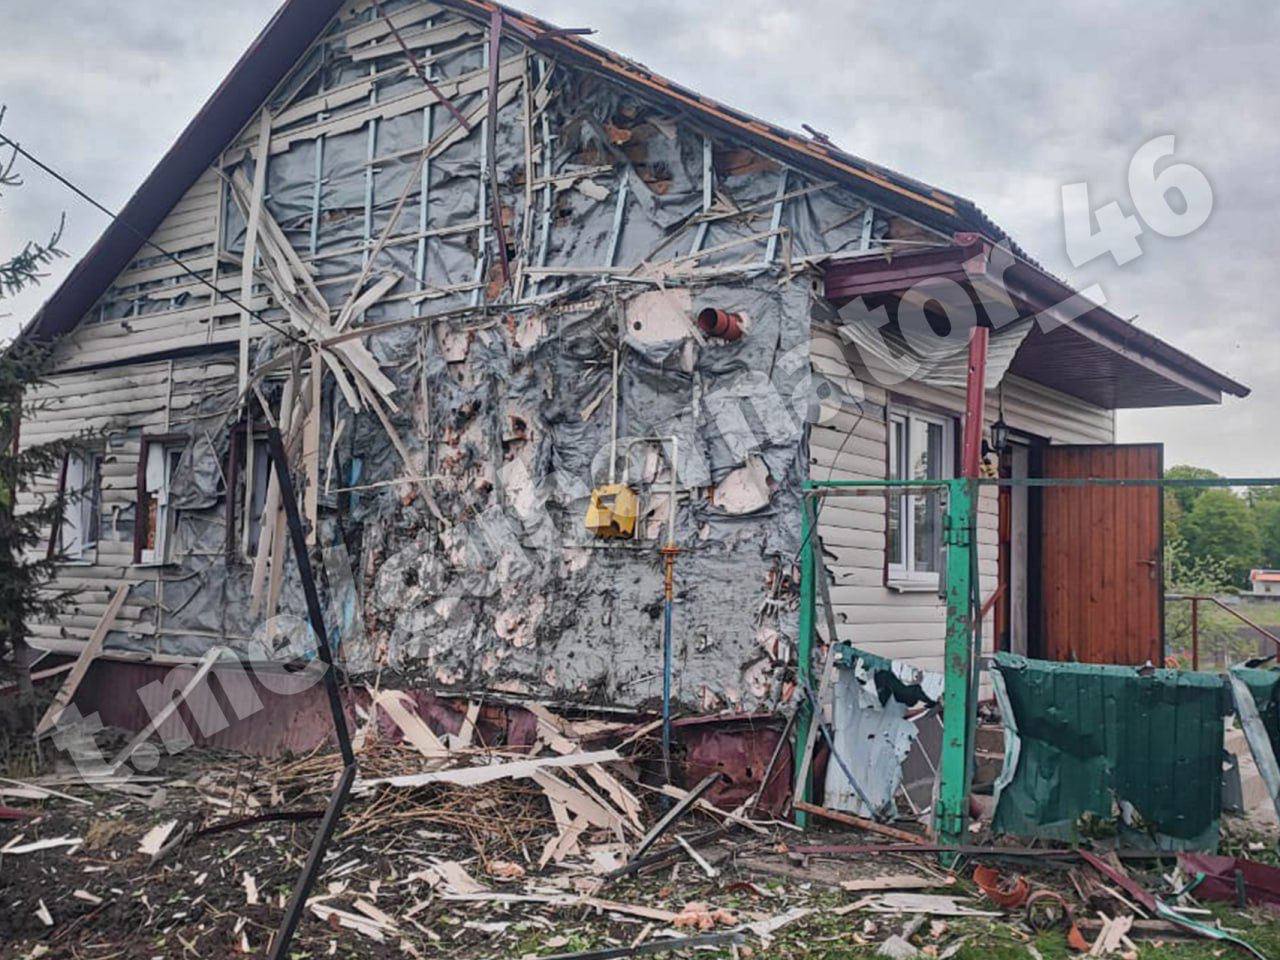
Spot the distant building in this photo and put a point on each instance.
(1265, 582)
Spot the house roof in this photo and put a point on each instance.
(1265, 576)
(299, 22)
(1094, 355)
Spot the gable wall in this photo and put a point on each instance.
(510, 592)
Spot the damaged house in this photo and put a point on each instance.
(525, 314)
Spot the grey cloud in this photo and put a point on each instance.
(1002, 102)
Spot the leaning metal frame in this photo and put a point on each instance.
(963, 632)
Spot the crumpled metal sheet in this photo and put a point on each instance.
(1256, 694)
(872, 733)
(740, 749)
(1094, 749)
(1260, 882)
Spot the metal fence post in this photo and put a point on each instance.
(804, 652)
(1195, 633)
(951, 816)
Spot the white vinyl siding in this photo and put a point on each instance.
(849, 445)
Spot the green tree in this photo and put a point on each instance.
(1190, 575)
(1173, 514)
(1266, 515)
(27, 564)
(1186, 497)
(1221, 527)
(24, 268)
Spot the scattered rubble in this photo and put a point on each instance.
(453, 847)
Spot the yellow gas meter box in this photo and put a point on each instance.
(613, 511)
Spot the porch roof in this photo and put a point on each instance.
(1076, 346)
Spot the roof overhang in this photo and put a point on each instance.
(1076, 347)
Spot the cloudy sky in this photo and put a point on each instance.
(1000, 102)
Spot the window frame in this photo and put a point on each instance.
(164, 513)
(238, 495)
(902, 574)
(87, 506)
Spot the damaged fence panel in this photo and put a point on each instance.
(872, 730)
(1096, 751)
(1257, 700)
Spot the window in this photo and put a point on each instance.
(82, 508)
(920, 448)
(242, 544)
(153, 527)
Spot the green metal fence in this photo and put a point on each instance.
(962, 649)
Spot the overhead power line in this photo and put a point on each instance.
(115, 217)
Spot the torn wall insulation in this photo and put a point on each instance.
(458, 439)
(887, 348)
(871, 730)
(521, 594)
(1095, 751)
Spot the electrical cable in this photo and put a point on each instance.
(150, 243)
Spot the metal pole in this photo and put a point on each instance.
(951, 815)
(668, 590)
(975, 393)
(804, 654)
(1195, 633)
(613, 423)
(960, 692)
(668, 604)
(302, 887)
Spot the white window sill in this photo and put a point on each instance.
(913, 586)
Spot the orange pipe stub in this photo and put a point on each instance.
(720, 323)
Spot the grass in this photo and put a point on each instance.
(825, 936)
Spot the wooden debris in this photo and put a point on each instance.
(16, 789)
(13, 848)
(62, 699)
(765, 928)
(931, 904)
(397, 705)
(862, 823)
(697, 858)
(724, 815)
(675, 813)
(895, 882)
(629, 909)
(472, 776)
(451, 875)
(362, 925)
(153, 840)
(1112, 935)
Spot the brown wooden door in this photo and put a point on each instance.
(1102, 573)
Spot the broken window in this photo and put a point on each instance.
(77, 538)
(153, 528)
(249, 489)
(920, 448)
